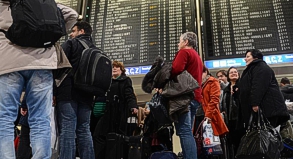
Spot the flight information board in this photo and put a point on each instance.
(74, 4)
(137, 31)
(233, 26)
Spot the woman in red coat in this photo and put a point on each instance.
(210, 104)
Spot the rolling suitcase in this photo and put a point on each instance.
(115, 146)
(135, 147)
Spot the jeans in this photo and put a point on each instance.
(38, 84)
(184, 131)
(74, 119)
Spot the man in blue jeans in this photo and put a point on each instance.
(188, 59)
(29, 68)
(74, 106)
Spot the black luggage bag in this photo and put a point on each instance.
(116, 143)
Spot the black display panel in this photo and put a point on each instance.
(74, 4)
(137, 31)
(233, 26)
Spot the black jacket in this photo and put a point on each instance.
(259, 87)
(121, 99)
(231, 104)
(287, 91)
(73, 50)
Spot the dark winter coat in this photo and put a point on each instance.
(73, 50)
(179, 94)
(148, 80)
(259, 87)
(231, 104)
(147, 84)
(121, 99)
(287, 91)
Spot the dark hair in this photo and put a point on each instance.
(191, 37)
(255, 53)
(205, 69)
(285, 80)
(119, 64)
(232, 67)
(223, 72)
(85, 26)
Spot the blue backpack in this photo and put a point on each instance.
(163, 155)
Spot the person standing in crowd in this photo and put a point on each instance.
(122, 103)
(188, 59)
(231, 111)
(24, 149)
(286, 89)
(259, 89)
(74, 106)
(222, 77)
(210, 104)
(29, 68)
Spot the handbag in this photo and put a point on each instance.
(211, 143)
(199, 138)
(260, 141)
(214, 145)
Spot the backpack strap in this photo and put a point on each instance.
(86, 46)
(3, 31)
(83, 43)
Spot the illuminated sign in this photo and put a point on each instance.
(223, 63)
(137, 70)
(239, 62)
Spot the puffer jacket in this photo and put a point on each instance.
(178, 100)
(15, 58)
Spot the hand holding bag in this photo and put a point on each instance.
(211, 143)
(261, 141)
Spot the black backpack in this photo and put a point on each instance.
(36, 23)
(94, 72)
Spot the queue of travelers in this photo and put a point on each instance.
(225, 101)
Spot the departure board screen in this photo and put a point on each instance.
(74, 4)
(137, 31)
(234, 26)
(70, 3)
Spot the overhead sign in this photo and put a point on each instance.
(239, 62)
(223, 63)
(137, 70)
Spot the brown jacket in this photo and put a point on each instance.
(211, 97)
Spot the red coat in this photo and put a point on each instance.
(188, 59)
(211, 97)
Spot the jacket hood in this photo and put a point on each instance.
(287, 89)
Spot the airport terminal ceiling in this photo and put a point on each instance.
(137, 31)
